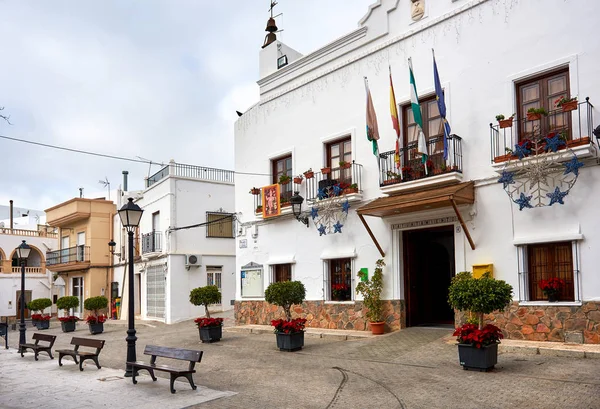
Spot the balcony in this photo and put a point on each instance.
(413, 175)
(71, 258)
(43, 231)
(28, 270)
(573, 129)
(192, 172)
(151, 242)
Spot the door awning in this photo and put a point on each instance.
(429, 199)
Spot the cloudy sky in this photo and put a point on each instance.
(156, 79)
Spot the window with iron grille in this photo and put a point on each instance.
(282, 272)
(338, 151)
(220, 225)
(213, 277)
(543, 261)
(340, 279)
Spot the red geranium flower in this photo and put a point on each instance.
(92, 319)
(208, 322)
(68, 319)
(289, 327)
(472, 335)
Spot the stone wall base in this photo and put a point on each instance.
(319, 314)
(547, 322)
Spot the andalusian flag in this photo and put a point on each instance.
(395, 123)
(372, 131)
(414, 103)
(439, 96)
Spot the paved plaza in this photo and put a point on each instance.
(412, 368)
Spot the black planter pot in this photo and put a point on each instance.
(44, 324)
(97, 328)
(481, 359)
(552, 297)
(34, 322)
(68, 326)
(290, 342)
(211, 334)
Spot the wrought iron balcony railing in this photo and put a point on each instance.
(573, 127)
(77, 254)
(412, 166)
(348, 179)
(151, 242)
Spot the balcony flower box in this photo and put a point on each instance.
(532, 116)
(298, 180)
(578, 142)
(569, 106)
(505, 123)
(258, 209)
(255, 191)
(504, 158)
(325, 171)
(350, 190)
(345, 165)
(391, 181)
(309, 174)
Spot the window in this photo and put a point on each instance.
(340, 150)
(213, 277)
(283, 166)
(340, 279)
(219, 225)
(433, 129)
(542, 92)
(282, 272)
(549, 260)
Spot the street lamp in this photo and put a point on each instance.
(22, 254)
(296, 202)
(130, 215)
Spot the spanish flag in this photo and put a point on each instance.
(395, 123)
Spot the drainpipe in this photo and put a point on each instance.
(11, 216)
(125, 173)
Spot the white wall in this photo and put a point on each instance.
(481, 47)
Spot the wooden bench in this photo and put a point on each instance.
(36, 347)
(164, 352)
(83, 355)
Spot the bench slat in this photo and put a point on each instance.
(174, 353)
(44, 337)
(166, 368)
(87, 342)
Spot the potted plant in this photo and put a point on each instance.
(298, 179)
(504, 123)
(289, 333)
(535, 114)
(326, 170)
(66, 303)
(284, 179)
(255, 191)
(344, 164)
(353, 188)
(40, 304)
(284, 201)
(309, 174)
(211, 330)
(567, 104)
(430, 166)
(551, 288)
(339, 291)
(371, 292)
(32, 306)
(258, 209)
(95, 320)
(478, 345)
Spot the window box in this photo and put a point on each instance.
(297, 180)
(569, 106)
(505, 123)
(532, 116)
(325, 171)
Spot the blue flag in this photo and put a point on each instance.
(439, 96)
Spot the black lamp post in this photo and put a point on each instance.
(130, 215)
(22, 253)
(296, 202)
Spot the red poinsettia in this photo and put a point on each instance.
(70, 318)
(472, 335)
(208, 322)
(93, 319)
(552, 285)
(289, 327)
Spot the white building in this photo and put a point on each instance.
(186, 239)
(493, 57)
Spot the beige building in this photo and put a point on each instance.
(82, 262)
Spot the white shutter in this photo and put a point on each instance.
(155, 291)
(325, 280)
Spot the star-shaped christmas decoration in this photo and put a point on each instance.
(557, 196)
(523, 201)
(522, 151)
(572, 166)
(337, 228)
(554, 142)
(507, 178)
(321, 194)
(322, 230)
(337, 190)
(314, 212)
(345, 206)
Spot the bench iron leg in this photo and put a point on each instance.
(95, 358)
(173, 377)
(190, 379)
(133, 374)
(49, 352)
(151, 371)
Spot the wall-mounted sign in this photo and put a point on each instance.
(364, 274)
(243, 243)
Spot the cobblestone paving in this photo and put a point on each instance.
(413, 368)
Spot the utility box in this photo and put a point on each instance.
(480, 269)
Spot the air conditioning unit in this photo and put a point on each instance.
(193, 260)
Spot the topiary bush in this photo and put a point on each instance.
(95, 303)
(67, 302)
(285, 294)
(479, 295)
(205, 296)
(39, 304)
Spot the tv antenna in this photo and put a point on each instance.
(105, 183)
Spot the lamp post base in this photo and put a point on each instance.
(131, 355)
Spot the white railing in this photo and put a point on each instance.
(29, 233)
(28, 270)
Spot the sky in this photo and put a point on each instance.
(150, 79)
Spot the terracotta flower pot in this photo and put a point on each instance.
(345, 165)
(297, 180)
(309, 175)
(255, 192)
(377, 328)
(325, 171)
(505, 123)
(533, 116)
(569, 106)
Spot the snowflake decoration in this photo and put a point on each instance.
(330, 210)
(554, 143)
(522, 150)
(540, 179)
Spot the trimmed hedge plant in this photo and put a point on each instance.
(285, 294)
(205, 296)
(67, 302)
(95, 303)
